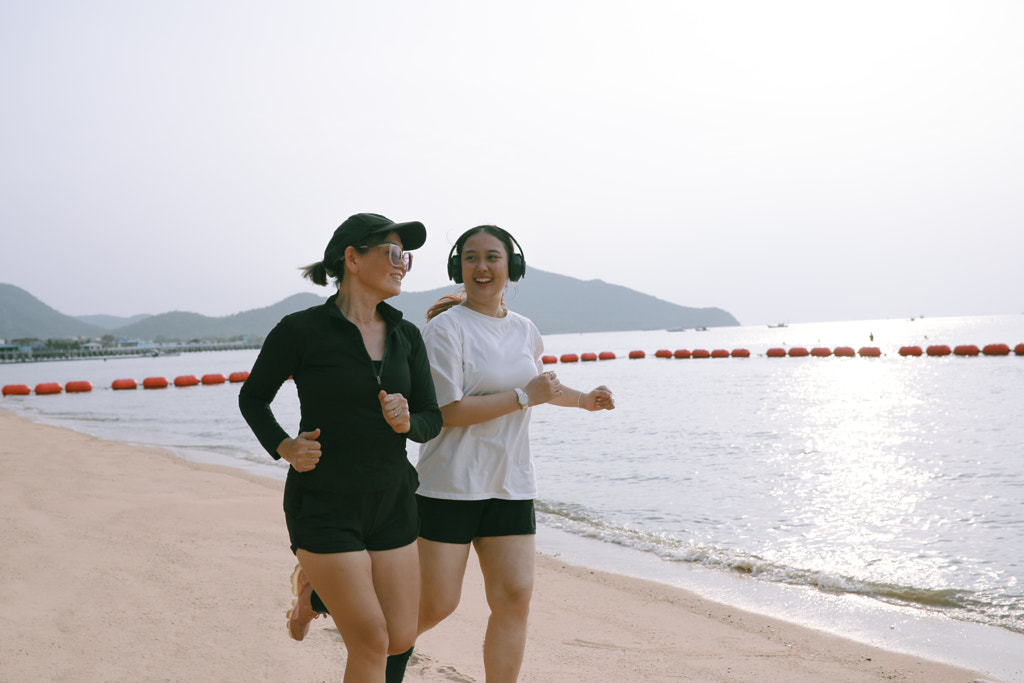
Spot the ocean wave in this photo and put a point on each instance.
(1006, 611)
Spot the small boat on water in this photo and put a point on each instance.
(701, 329)
(779, 325)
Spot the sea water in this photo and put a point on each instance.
(847, 485)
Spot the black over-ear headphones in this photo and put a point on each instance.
(516, 262)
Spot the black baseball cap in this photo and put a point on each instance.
(358, 227)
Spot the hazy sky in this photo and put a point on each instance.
(785, 161)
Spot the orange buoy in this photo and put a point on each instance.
(938, 350)
(966, 350)
(845, 351)
(588, 355)
(869, 352)
(996, 350)
(213, 378)
(637, 354)
(740, 353)
(776, 352)
(48, 388)
(662, 353)
(155, 383)
(910, 351)
(606, 355)
(681, 353)
(77, 387)
(128, 383)
(719, 353)
(700, 353)
(16, 390)
(1019, 349)
(798, 352)
(569, 358)
(239, 376)
(548, 360)
(821, 352)
(186, 381)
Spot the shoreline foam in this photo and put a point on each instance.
(859, 618)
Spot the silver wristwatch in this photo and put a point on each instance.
(524, 400)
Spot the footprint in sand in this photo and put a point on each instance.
(424, 663)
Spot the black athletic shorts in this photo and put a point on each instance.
(322, 522)
(460, 521)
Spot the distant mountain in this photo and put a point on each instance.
(559, 304)
(22, 316)
(186, 326)
(556, 303)
(111, 322)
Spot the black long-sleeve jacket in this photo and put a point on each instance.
(338, 385)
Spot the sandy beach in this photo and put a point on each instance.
(127, 563)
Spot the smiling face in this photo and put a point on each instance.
(484, 271)
(376, 271)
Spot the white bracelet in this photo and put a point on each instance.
(579, 401)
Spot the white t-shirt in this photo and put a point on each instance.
(472, 354)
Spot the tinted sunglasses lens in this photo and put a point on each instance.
(400, 258)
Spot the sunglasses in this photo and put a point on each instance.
(400, 258)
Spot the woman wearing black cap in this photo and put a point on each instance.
(364, 388)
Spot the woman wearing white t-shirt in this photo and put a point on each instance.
(477, 482)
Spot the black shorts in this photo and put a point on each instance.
(326, 522)
(460, 521)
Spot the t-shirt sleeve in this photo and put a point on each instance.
(443, 340)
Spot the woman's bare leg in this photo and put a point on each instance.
(396, 579)
(344, 581)
(442, 568)
(508, 564)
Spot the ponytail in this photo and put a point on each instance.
(319, 272)
(451, 301)
(446, 302)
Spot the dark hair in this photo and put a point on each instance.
(319, 272)
(493, 231)
(452, 300)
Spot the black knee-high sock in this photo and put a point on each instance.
(395, 672)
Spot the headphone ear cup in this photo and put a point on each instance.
(455, 269)
(516, 267)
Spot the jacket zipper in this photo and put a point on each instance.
(382, 359)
